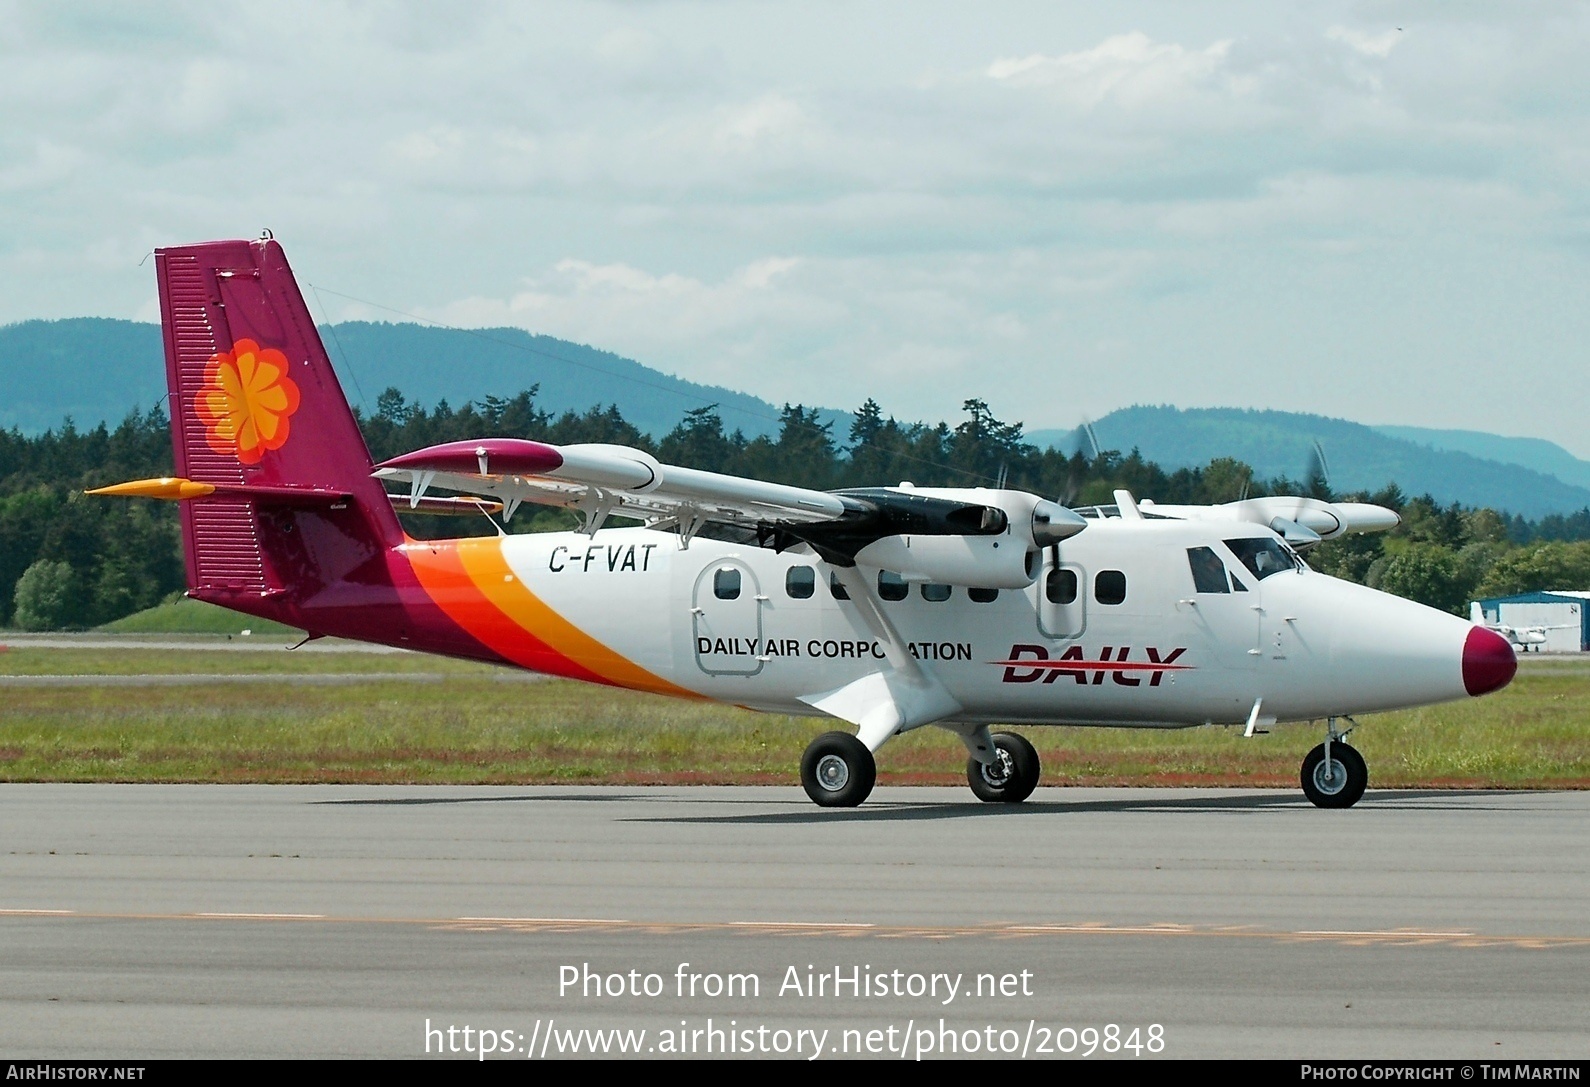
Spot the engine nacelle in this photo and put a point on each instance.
(981, 562)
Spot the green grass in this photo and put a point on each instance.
(266, 655)
(184, 616)
(466, 726)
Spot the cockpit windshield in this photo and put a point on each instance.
(1264, 557)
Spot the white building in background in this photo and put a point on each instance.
(1554, 622)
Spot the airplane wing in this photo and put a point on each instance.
(602, 480)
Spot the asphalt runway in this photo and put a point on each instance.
(169, 921)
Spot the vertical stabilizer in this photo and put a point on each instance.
(254, 402)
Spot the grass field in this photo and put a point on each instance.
(184, 616)
(461, 723)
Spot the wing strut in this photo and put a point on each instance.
(903, 696)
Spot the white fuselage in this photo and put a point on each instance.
(732, 622)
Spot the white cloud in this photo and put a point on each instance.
(45, 165)
(704, 330)
(821, 204)
(770, 117)
(1130, 70)
(1370, 45)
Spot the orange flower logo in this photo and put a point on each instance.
(246, 401)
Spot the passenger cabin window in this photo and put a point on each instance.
(936, 593)
(1264, 557)
(1209, 573)
(891, 586)
(800, 582)
(726, 583)
(983, 596)
(836, 588)
(1060, 587)
(1109, 587)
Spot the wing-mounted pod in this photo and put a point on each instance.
(1302, 522)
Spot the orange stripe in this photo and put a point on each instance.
(450, 588)
(472, 582)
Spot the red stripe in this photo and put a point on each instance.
(1089, 666)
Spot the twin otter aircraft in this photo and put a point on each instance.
(889, 608)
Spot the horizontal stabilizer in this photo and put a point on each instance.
(447, 506)
(172, 489)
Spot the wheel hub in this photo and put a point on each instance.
(999, 773)
(833, 773)
(1330, 777)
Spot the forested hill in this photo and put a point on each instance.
(97, 370)
(91, 369)
(1536, 453)
(68, 559)
(1279, 443)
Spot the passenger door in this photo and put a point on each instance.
(726, 620)
(1062, 601)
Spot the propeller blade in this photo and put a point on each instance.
(1318, 477)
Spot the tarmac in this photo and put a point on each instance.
(146, 921)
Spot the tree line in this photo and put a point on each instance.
(71, 561)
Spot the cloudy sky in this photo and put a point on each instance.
(1374, 210)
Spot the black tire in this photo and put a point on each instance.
(838, 771)
(1015, 777)
(1340, 786)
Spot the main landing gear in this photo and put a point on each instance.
(838, 771)
(1334, 774)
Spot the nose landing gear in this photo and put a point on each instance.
(1012, 777)
(1334, 774)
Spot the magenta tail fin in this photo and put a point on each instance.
(255, 403)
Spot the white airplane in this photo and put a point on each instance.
(889, 608)
(1522, 639)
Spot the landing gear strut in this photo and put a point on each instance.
(837, 770)
(1013, 775)
(1334, 774)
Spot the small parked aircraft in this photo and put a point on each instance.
(1523, 639)
(889, 608)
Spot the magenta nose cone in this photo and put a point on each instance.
(1488, 661)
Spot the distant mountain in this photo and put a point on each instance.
(94, 370)
(89, 368)
(1360, 457)
(1536, 453)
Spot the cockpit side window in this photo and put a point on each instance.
(1208, 572)
(1264, 557)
